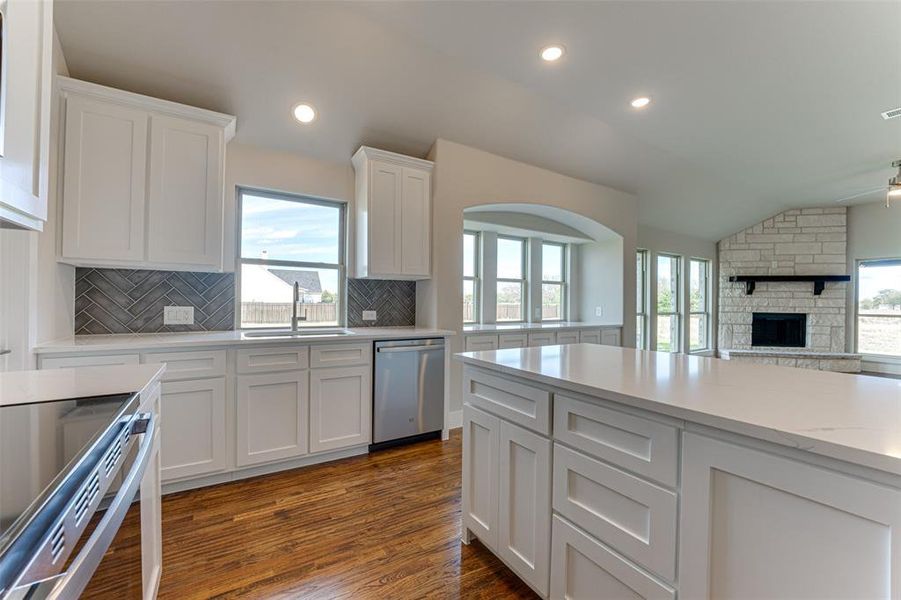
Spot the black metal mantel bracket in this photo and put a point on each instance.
(819, 281)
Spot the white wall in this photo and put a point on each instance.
(466, 177)
(600, 280)
(874, 231)
(660, 241)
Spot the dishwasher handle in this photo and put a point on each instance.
(420, 348)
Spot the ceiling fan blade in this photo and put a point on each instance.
(865, 193)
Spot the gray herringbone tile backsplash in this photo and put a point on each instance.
(132, 301)
(393, 301)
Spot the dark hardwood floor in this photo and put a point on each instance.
(385, 525)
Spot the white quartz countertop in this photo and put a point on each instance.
(514, 327)
(118, 342)
(23, 387)
(854, 418)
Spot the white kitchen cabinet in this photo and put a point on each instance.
(758, 525)
(475, 343)
(151, 523)
(481, 434)
(611, 337)
(542, 338)
(590, 336)
(393, 215)
(143, 181)
(185, 193)
(524, 503)
(567, 337)
(340, 407)
(25, 118)
(193, 425)
(272, 417)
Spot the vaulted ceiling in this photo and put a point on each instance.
(757, 106)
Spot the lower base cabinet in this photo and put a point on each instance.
(340, 407)
(507, 504)
(193, 428)
(582, 568)
(272, 417)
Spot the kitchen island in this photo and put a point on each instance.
(598, 472)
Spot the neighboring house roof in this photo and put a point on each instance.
(307, 280)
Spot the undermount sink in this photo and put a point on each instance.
(289, 333)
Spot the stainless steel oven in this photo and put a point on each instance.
(70, 472)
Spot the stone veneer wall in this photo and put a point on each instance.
(807, 241)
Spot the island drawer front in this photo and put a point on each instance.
(631, 515)
(475, 343)
(508, 399)
(189, 365)
(582, 567)
(567, 337)
(340, 355)
(65, 362)
(640, 445)
(513, 340)
(266, 360)
(545, 338)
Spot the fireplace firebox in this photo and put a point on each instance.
(785, 330)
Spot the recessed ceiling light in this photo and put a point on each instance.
(640, 102)
(304, 113)
(552, 53)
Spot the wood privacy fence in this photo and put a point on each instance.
(270, 313)
(512, 312)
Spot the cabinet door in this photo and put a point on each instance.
(524, 503)
(104, 181)
(475, 343)
(512, 340)
(757, 525)
(184, 218)
(25, 111)
(568, 337)
(385, 185)
(273, 417)
(340, 408)
(480, 471)
(416, 222)
(590, 336)
(193, 428)
(610, 337)
(542, 339)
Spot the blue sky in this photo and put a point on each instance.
(289, 230)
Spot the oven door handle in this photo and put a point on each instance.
(72, 582)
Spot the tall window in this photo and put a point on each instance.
(641, 299)
(699, 307)
(287, 240)
(511, 279)
(879, 307)
(471, 282)
(553, 281)
(668, 303)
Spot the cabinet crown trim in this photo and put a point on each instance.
(369, 153)
(228, 123)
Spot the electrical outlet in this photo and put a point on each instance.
(369, 315)
(178, 315)
(599, 311)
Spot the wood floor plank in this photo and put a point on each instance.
(384, 525)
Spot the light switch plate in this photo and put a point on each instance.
(599, 311)
(178, 315)
(369, 315)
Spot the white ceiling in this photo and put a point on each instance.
(758, 106)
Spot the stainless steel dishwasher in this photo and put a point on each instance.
(408, 395)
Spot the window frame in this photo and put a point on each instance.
(678, 301)
(523, 283)
(643, 303)
(340, 266)
(476, 278)
(884, 358)
(705, 313)
(563, 282)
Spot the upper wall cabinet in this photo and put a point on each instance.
(25, 101)
(393, 209)
(143, 181)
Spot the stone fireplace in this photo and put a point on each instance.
(808, 241)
